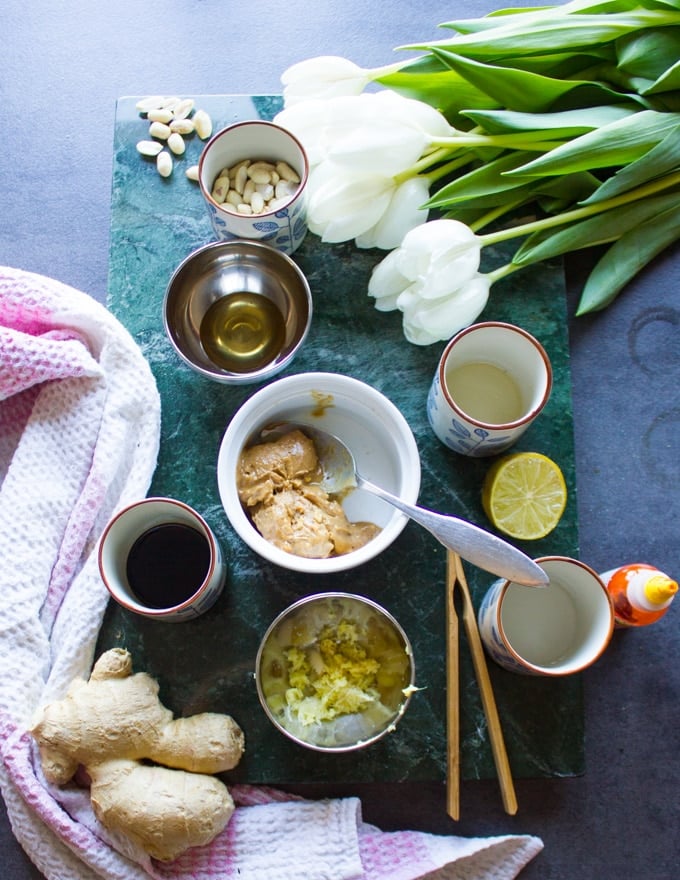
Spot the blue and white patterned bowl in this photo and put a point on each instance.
(285, 226)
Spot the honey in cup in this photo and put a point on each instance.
(242, 332)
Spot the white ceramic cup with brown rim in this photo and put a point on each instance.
(159, 558)
(492, 381)
(555, 630)
(283, 223)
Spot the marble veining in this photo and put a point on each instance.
(207, 664)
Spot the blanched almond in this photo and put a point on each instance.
(176, 143)
(159, 115)
(164, 163)
(183, 108)
(153, 102)
(287, 172)
(149, 148)
(182, 126)
(203, 124)
(159, 130)
(240, 178)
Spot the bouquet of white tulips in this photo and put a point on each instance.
(568, 114)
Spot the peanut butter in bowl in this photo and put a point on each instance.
(278, 483)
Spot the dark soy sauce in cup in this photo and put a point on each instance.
(167, 564)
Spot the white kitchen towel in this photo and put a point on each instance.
(79, 435)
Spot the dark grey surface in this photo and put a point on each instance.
(61, 69)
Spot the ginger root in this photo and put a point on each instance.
(115, 721)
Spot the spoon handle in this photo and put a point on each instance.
(474, 544)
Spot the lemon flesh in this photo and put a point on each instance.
(524, 495)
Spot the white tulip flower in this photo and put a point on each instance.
(323, 77)
(433, 278)
(404, 212)
(366, 154)
(342, 206)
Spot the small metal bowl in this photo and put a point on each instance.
(344, 619)
(223, 269)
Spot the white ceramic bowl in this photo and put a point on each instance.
(373, 428)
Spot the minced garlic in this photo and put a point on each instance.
(333, 673)
(333, 677)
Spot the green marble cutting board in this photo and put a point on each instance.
(207, 664)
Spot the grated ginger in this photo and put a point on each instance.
(331, 678)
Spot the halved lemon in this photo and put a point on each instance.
(524, 495)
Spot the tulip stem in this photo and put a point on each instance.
(430, 159)
(442, 148)
(376, 72)
(522, 141)
(494, 214)
(455, 163)
(501, 272)
(632, 195)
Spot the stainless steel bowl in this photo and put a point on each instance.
(223, 268)
(314, 629)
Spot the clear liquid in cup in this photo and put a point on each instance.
(485, 392)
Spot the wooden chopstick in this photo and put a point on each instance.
(498, 750)
(452, 694)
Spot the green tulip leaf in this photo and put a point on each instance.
(595, 230)
(669, 81)
(430, 81)
(558, 126)
(533, 14)
(525, 91)
(650, 53)
(626, 257)
(487, 180)
(661, 159)
(565, 65)
(557, 34)
(615, 144)
(555, 194)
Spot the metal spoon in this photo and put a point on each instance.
(478, 546)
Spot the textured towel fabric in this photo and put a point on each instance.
(79, 433)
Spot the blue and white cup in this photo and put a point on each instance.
(555, 630)
(282, 223)
(492, 381)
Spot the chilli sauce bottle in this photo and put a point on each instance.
(640, 593)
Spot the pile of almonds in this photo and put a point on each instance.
(253, 187)
(171, 119)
